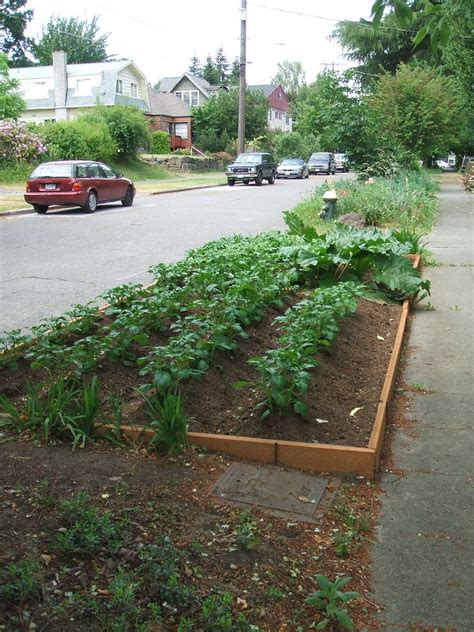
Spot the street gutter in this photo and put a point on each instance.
(26, 211)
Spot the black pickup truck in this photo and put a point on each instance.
(252, 167)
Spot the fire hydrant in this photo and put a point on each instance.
(329, 207)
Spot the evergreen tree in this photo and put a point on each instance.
(210, 73)
(195, 66)
(235, 72)
(222, 66)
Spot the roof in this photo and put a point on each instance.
(167, 84)
(42, 72)
(267, 88)
(167, 104)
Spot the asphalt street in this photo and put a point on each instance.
(54, 261)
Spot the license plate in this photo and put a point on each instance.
(49, 187)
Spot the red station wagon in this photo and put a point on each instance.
(84, 183)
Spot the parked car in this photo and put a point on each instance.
(292, 168)
(467, 161)
(84, 183)
(342, 162)
(252, 167)
(322, 162)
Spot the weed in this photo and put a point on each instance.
(245, 532)
(354, 526)
(419, 387)
(43, 498)
(160, 571)
(273, 593)
(217, 616)
(18, 582)
(330, 599)
(168, 421)
(82, 424)
(87, 530)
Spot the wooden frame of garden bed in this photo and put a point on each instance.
(310, 457)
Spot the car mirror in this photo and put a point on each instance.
(118, 175)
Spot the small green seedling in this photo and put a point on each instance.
(330, 599)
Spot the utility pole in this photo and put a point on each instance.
(242, 86)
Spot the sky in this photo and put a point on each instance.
(161, 37)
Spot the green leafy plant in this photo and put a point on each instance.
(18, 582)
(168, 421)
(245, 532)
(87, 530)
(331, 599)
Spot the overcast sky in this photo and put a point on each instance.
(161, 37)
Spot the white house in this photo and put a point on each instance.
(62, 91)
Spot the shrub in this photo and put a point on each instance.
(79, 139)
(160, 142)
(294, 145)
(468, 179)
(19, 143)
(126, 125)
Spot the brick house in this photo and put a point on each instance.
(171, 114)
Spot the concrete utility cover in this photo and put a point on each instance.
(290, 494)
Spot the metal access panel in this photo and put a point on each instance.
(286, 493)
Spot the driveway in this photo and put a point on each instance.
(54, 261)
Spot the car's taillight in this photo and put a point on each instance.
(27, 188)
(76, 186)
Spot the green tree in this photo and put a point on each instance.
(222, 66)
(436, 15)
(11, 103)
(209, 72)
(80, 39)
(127, 127)
(220, 114)
(294, 145)
(291, 76)
(419, 109)
(377, 51)
(323, 110)
(234, 75)
(13, 22)
(195, 66)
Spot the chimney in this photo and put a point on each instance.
(60, 84)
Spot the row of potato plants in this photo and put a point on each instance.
(204, 303)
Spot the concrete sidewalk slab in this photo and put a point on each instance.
(423, 562)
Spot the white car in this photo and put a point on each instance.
(292, 168)
(342, 162)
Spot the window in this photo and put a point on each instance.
(95, 171)
(134, 90)
(119, 87)
(269, 115)
(81, 171)
(109, 173)
(191, 97)
(287, 119)
(181, 129)
(83, 87)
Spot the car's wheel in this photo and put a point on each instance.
(346, 169)
(230, 182)
(40, 208)
(333, 172)
(91, 204)
(246, 182)
(128, 199)
(259, 179)
(271, 179)
(307, 175)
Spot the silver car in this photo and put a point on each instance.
(292, 168)
(342, 162)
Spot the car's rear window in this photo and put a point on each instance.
(248, 158)
(53, 171)
(320, 156)
(292, 161)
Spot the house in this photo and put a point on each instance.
(171, 114)
(194, 91)
(62, 91)
(279, 116)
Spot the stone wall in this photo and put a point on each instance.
(184, 163)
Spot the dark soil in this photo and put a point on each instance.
(349, 375)
(160, 496)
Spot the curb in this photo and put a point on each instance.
(25, 211)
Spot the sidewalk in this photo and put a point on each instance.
(423, 561)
